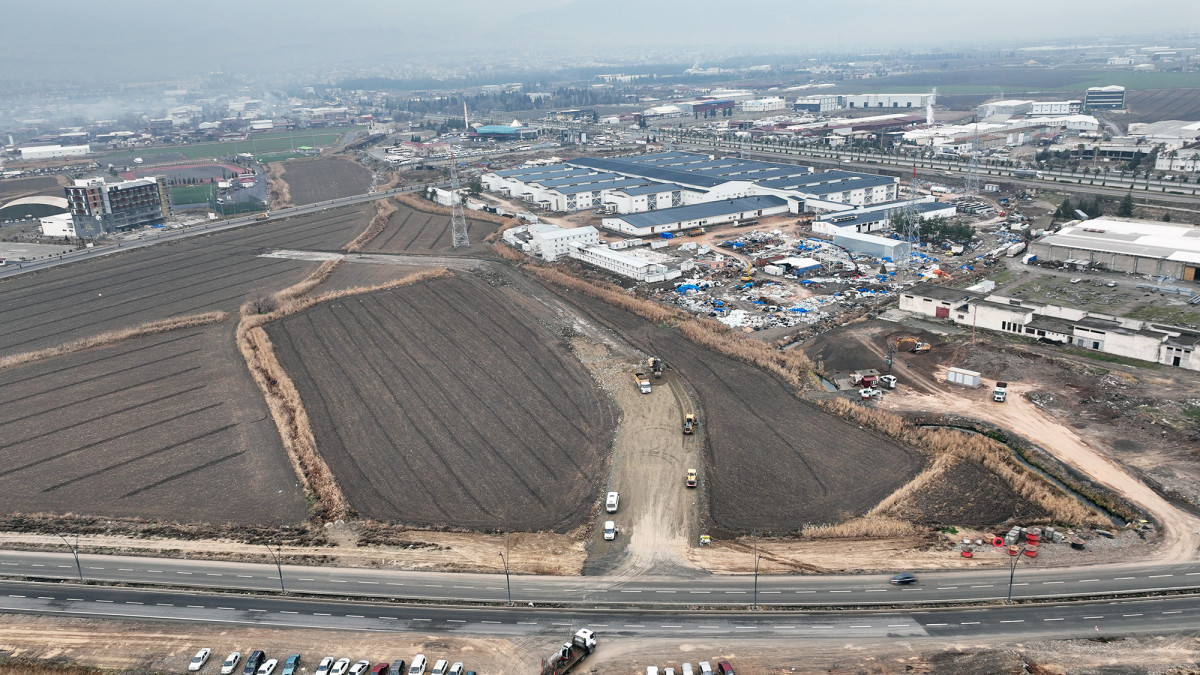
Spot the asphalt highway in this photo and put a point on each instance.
(944, 587)
(1154, 616)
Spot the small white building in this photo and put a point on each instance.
(550, 242)
(767, 104)
(639, 264)
(58, 225)
(880, 247)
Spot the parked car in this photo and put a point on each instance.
(456, 669)
(380, 669)
(199, 660)
(611, 502)
(398, 667)
(325, 666)
(253, 661)
(292, 663)
(705, 669)
(340, 667)
(686, 669)
(723, 668)
(418, 665)
(610, 530)
(651, 670)
(268, 667)
(904, 578)
(231, 663)
(360, 668)
(668, 671)
(440, 667)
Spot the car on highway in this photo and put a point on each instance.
(691, 478)
(904, 579)
(253, 661)
(441, 667)
(418, 665)
(610, 530)
(340, 667)
(292, 663)
(230, 663)
(325, 666)
(360, 668)
(268, 667)
(199, 660)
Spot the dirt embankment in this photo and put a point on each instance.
(278, 191)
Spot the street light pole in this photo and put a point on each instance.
(278, 564)
(74, 552)
(1012, 571)
(756, 559)
(507, 583)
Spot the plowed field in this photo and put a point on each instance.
(413, 231)
(169, 426)
(446, 403)
(317, 180)
(774, 462)
(194, 275)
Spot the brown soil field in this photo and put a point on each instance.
(169, 426)
(774, 462)
(216, 272)
(969, 495)
(15, 188)
(1152, 105)
(317, 180)
(447, 404)
(412, 231)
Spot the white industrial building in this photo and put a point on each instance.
(1186, 158)
(638, 264)
(1070, 107)
(879, 217)
(1134, 246)
(879, 247)
(1172, 134)
(768, 104)
(1012, 107)
(550, 242)
(59, 225)
(54, 151)
(889, 100)
(641, 198)
(737, 210)
(1132, 338)
(817, 104)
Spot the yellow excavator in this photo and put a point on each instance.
(911, 344)
(748, 273)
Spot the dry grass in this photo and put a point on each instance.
(24, 666)
(947, 446)
(793, 367)
(508, 253)
(113, 337)
(869, 526)
(277, 188)
(282, 396)
(495, 236)
(421, 204)
(384, 208)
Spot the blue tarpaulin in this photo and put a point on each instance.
(798, 309)
(666, 235)
(684, 288)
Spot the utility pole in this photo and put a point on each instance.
(971, 184)
(507, 582)
(756, 559)
(278, 563)
(1012, 571)
(75, 552)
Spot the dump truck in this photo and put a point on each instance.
(643, 382)
(1000, 393)
(570, 654)
(689, 423)
(656, 366)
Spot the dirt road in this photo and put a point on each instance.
(1181, 531)
(657, 515)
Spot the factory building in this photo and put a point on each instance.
(856, 101)
(769, 104)
(643, 198)
(58, 225)
(98, 207)
(1052, 108)
(1133, 338)
(879, 247)
(697, 215)
(878, 217)
(1134, 246)
(1006, 107)
(638, 264)
(1111, 97)
(817, 104)
(37, 152)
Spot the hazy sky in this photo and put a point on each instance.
(61, 40)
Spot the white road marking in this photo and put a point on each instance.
(245, 576)
(674, 591)
(354, 616)
(303, 579)
(666, 626)
(1131, 615)
(195, 606)
(705, 592)
(1177, 611)
(860, 626)
(877, 590)
(211, 574)
(319, 614)
(1159, 576)
(947, 588)
(527, 623)
(1052, 582)
(937, 624)
(899, 625)
(489, 622)
(421, 619)
(983, 586)
(1084, 581)
(228, 609)
(1012, 621)
(44, 597)
(376, 583)
(133, 602)
(1123, 578)
(96, 601)
(456, 620)
(841, 591)
(284, 611)
(1094, 617)
(258, 610)
(969, 623)
(165, 604)
(1059, 619)
(634, 625)
(631, 591)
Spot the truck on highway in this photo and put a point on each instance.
(570, 654)
(643, 382)
(1000, 393)
(1027, 173)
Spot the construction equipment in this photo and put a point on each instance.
(656, 366)
(1000, 393)
(570, 654)
(643, 382)
(690, 481)
(748, 273)
(921, 348)
(912, 344)
(689, 423)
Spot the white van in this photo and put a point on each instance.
(610, 530)
(418, 665)
(610, 504)
(705, 669)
